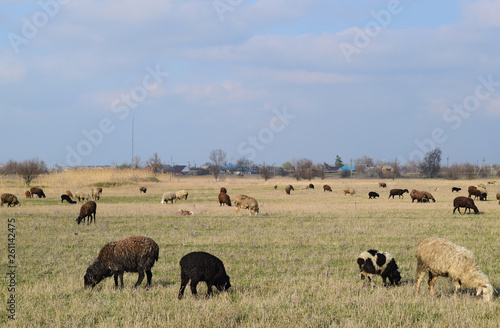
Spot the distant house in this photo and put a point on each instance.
(348, 168)
(179, 169)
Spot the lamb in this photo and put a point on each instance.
(441, 257)
(382, 184)
(327, 188)
(65, 197)
(183, 212)
(168, 196)
(182, 194)
(399, 192)
(349, 191)
(498, 197)
(419, 196)
(87, 211)
(201, 266)
(223, 190)
(462, 201)
(288, 189)
(455, 189)
(27, 194)
(10, 199)
(143, 189)
(429, 196)
(373, 194)
(69, 193)
(131, 254)
(37, 191)
(246, 202)
(381, 263)
(224, 199)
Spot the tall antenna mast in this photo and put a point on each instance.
(132, 159)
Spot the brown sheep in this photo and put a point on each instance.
(310, 186)
(183, 212)
(419, 196)
(224, 199)
(382, 184)
(349, 191)
(275, 186)
(27, 194)
(288, 188)
(37, 191)
(498, 197)
(327, 188)
(246, 202)
(466, 202)
(132, 254)
(87, 211)
(398, 192)
(97, 195)
(477, 193)
(69, 194)
(143, 189)
(10, 199)
(429, 196)
(224, 190)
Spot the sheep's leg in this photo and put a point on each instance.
(140, 279)
(194, 283)
(209, 290)
(116, 279)
(149, 276)
(420, 276)
(458, 287)
(184, 281)
(431, 282)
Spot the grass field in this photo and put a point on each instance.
(293, 265)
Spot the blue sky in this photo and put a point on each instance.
(272, 80)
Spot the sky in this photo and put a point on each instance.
(269, 80)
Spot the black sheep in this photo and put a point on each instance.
(381, 263)
(67, 198)
(201, 266)
(131, 254)
(455, 189)
(143, 189)
(373, 194)
(399, 192)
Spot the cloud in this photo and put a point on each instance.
(482, 13)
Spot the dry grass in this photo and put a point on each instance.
(291, 266)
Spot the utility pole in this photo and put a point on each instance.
(447, 160)
(351, 166)
(132, 159)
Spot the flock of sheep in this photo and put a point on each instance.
(435, 256)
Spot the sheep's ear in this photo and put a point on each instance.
(480, 290)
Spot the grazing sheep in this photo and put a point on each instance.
(224, 199)
(275, 186)
(498, 197)
(373, 194)
(27, 194)
(462, 201)
(349, 191)
(143, 189)
(65, 197)
(224, 190)
(181, 194)
(399, 192)
(69, 194)
(131, 254)
(440, 257)
(476, 193)
(37, 191)
(492, 182)
(455, 189)
(183, 212)
(382, 184)
(380, 263)
(482, 185)
(87, 211)
(168, 196)
(10, 199)
(246, 202)
(429, 196)
(310, 186)
(201, 266)
(327, 188)
(288, 188)
(81, 196)
(419, 196)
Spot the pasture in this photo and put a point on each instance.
(293, 265)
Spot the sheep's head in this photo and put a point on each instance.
(95, 273)
(223, 284)
(486, 291)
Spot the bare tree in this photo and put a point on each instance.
(136, 162)
(469, 170)
(218, 158)
(303, 169)
(154, 163)
(30, 169)
(319, 171)
(265, 171)
(432, 163)
(244, 164)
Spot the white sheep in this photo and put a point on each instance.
(441, 257)
(168, 196)
(181, 194)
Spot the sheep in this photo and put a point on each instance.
(441, 257)
(327, 188)
(27, 194)
(462, 201)
(381, 263)
(81, 196)
(382, 184)
(455, 189)
(288, 189)
(181, 194)
(310, 186)
(349, 191)
(476, 193)
(97, 194)
(223, 190)
(87, 211)
(419, 196)
(482, 185)
(37, 191)
(10, 199)
(65, 197)
(131, 254)
(498, 197)
(183, 212)
(69, 194)
(429, 196)
(201, 266)
(492, 182)
(244, 201)
(224, 199)
(373, 194)
(275, 186)
(399, 192)
(168, 196)
(143, 189)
